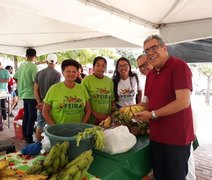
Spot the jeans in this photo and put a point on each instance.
(40, 120)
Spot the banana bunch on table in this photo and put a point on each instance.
(7, 173)
(107, 123)
(75, 169)
(122, 116)
(137, 127)
(131, 110)
(53, 162)
(96, 132)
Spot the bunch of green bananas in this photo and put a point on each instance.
(96, 132)
(75, 169)
(121, 118)
(144, 127)
(53, 162)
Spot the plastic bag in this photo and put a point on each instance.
(46, 146)
(20, 114)
(31, 149)
(118, 140)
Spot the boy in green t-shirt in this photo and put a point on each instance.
(24, 77)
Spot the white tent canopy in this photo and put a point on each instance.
(56, 25)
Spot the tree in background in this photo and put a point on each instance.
(19, 59)
(83, 56)
(13, 58)
(110, 53)
(130, 54)
(206, 70)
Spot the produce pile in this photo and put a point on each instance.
(6, 173)
(56, 166)
(124, 116)
(96, 132)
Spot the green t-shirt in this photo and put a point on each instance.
(101, 93)
(25, 76)
(67, 104)
(4, 74)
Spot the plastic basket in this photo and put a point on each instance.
(59, 133)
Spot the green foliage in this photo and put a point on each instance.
(83, 56)
(108, 53)
(128, 53)
(205, 69)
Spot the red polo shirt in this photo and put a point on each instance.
(175, 129)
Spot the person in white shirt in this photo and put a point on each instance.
(127, 84)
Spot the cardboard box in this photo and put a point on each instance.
(18, 129)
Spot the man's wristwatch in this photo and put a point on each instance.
(154, 116)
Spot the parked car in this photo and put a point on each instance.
(203, 92)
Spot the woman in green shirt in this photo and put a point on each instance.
(100, 90)
(67, 102)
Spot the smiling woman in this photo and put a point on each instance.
(100, 90)
(127, 84)
(72, 104)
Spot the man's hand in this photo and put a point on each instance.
(143, 116)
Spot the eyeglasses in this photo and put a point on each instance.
(144, 65)
(153, 48)
(123, 66)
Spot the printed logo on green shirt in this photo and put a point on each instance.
(102, 94)
(72, 103)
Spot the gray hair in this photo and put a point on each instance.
(155, 36)
(140, 56)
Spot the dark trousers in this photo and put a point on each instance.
(30, 116)
(169, 162)
(3, 109)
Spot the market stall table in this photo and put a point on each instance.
(20, 163)
(133, 164)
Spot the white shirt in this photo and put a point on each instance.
(127, 91)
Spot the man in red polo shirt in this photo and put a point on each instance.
(168, 87)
